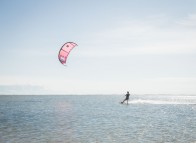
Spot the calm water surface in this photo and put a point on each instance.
(97, 119)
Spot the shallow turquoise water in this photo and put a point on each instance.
(88, 119)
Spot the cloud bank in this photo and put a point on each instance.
(153, 35)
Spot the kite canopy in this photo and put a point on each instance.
(64, 51)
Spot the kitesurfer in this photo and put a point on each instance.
(127, 97)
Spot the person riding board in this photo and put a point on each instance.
(127, 97)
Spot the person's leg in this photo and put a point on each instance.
(123, 101)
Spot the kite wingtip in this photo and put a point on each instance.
(74, 44)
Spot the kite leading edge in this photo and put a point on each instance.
(64, 51)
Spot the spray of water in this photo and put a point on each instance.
(164, 100)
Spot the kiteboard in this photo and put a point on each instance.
(123, 103)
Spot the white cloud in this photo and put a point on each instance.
(21, 89)
(189, 21)
(160, 85)
(155, 85)
(144, 37)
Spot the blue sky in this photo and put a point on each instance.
(141, 46)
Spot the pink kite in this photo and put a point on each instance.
(65, 50)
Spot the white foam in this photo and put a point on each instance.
(142, 101)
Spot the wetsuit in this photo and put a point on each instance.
(127, 96)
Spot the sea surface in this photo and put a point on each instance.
(97, 119)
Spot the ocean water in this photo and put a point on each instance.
(98, 119)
